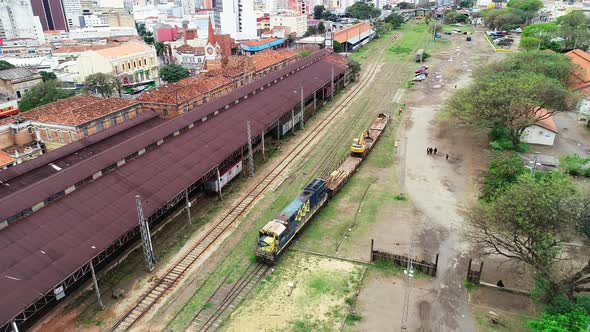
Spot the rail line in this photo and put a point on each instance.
(176, 272)
(227, 296)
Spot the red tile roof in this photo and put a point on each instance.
(258, 42)
(185, 48)
(184, 90)
(76, 110)
(269, 58)
(5, 158)
(352, 31)
(581, 77)
(545, 120)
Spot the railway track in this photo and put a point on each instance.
(226, 297)
(176, 272)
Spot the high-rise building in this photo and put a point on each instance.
(188, 7)
(73, 10)
(236, 18)
(17, 21)
(51, 13)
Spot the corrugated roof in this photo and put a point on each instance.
(17, 74)
(42, 249)
(259, 41)
(345, 34)
(76, 110)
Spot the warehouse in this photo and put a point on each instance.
(90, 205)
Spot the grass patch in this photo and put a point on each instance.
(207, 306)
(469, 286)
(328, 283)
(397, 49)
(400, 198)
(351, 319)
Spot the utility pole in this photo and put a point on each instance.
(404, 155)
(409, 274)
(263, 150)
(301, 124)
(100, 305)
(146, 238)
(250, 153)
(188, 206)
(219, 184)
(293, 121)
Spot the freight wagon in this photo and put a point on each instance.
(276, 235)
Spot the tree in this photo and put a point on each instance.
(466, 4)
(387, 7)
(318, 11)
(574, 320)
(546, 33)
(355, 68)
(103, 84)
(550, 64)
(311, 30)
(511, 100)
(43, 93)
(329, 16)
(148, 38)
(528, 223)
(505, 169)
(405, 5)
(46, 76)
(159, 48)
(455, 17)
(575, 30)
(5, 65)
(321, 28)
(503, 19)
(363, 11)
(395, 20)
(529, 8)
(173, 73)
(338, 47)
(529, 43)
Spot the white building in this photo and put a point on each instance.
(17, 21)
(73, 10)
(188, 7)
(543, 132)
(296, 23)
(236, 18)
(192, 58)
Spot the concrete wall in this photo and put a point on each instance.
(538, 135)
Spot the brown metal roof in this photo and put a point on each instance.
(44, 248)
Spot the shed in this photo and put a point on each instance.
(543, 132)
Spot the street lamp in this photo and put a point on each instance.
(534, 162)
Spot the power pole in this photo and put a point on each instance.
(403, 175)
(263, 150)
(409, 274)
(332, 84)
(188, 206)
(219, 184)
(293, 121)
(250, 153)
(100, 305)
(146, 238)
(301, 124)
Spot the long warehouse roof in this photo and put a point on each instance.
(38, 252)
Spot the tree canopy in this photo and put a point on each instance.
(46, 76)
(550, 64)
(363, 11)
(318, 11)
(568, 32)
(395, 20)
(43, 93)
(574, 320)
(173, 73)
(505, 169)
(405, 5)
(103, 84)
(453, 17)
(5, 65)
(503, 19)
(466, 3)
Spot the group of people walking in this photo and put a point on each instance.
(432, 152)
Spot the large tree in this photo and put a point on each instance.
(505, 169)
(173, 73)
(575, 30)
(395, 20)
(318, 11)
(528, 223)
(47, 76)
(5, 65)
(43, 93)
(511, 100)
(103, 84)
(363, 11)
(547, 33)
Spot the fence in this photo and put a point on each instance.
(423, 266)
(474, 276)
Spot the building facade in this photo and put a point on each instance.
(236, 18)
(15, 82)
(73, 10)
(296, 23)
(51, 13)
(18, 21)
(192, 58)
(131, 62)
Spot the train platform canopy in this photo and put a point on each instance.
(262, 44)
(355, 35)
(41, 250)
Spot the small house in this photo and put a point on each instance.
(542, 132)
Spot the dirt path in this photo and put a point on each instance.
(440, 189)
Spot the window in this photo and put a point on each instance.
(99, 126)
(125, 116)
(85, 132)
(144, 62)
(18, 95)
(48, 135)
(165, 112)
(204, 100)
(113, 121)
(134, 64)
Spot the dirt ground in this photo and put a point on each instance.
(318, 300)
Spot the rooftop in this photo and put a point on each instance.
(259, 42)
(130, 47)
(345, 34)
(581, 77)
(82, 48)
(545, 120)
(185, 48)
(184, 90)
(17, 73)
(265, 59)
(5, 158)
(76, 110)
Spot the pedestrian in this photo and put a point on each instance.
(447, 156)
(429, 151)
(401, 111)
(500, 283)
(435, 151)
(455, 86)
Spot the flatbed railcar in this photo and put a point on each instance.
(276, 235)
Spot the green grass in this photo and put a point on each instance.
(323, 283)
(469, 286)
(351, 319)
(207, 306)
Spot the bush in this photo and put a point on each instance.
(583, 302)
(558, 305)
(574, 165)
(500, 141)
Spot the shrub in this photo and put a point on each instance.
(573, 164)
(558, 305)
(583, 302)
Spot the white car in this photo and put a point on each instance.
(419, 78)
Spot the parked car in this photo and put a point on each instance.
(517, 30)
(503, 41)
(420, 70)
(419, 78)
